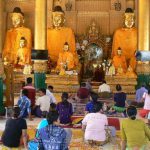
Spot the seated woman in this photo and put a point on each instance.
(15, 128)
(119, 99)
(90, 105)
(134, 132)
(146, 109)
(65, 110)
(94, 126)
(44, 122)
(24, 104)
(82, 94)
(53, 137)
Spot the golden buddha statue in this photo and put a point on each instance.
(126, 38)
(120, 60)
(130, 73)
(111, 70)
(65, 60)
(13, 36)
(120, 71)
(23, 55)
(58, 35)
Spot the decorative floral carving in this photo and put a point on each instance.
(40, 66)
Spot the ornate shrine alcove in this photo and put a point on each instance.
(95, 48)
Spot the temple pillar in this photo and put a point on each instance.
(40, 44)
(143, 10)
(143, 25)
(1, 63)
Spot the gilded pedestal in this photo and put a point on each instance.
(128, 84)
(40, 67)
(65, 83)
(143, 72)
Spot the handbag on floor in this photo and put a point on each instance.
(35, 145)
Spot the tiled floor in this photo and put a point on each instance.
(77, 139)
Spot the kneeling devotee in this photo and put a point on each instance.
(52, 136)
(120, 101)
(134, 132)
(83, 94)
(94, 126)
(90, 105)
(24, 104)
(42, 104)
(146, 99)
(15, 128)
(65, 110)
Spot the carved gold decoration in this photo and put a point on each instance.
(2, 74)
(93, 32)
(40, 66)
(68, 5)
(143, 68)
(65, 83)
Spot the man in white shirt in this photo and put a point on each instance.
(94, 125)
(104, 87)
(42, 103)
(49, 93)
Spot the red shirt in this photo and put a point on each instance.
(31, 93)
(83, 93)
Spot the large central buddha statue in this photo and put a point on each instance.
(13, 36)
(126, 39)
(58, 35)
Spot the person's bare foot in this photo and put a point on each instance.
(31, 119)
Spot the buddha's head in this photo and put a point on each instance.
(17, 17)
(58, 17)
(119, 51)
(22, 42)
(129, 18)
(66, 47)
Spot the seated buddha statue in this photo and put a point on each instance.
(65, 60)
(13, 36)
(130, 73)
(58, 35)
(23, 55)
(111, 70)
(120, 71)
(120, 60)
(126, 38)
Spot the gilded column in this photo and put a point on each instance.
(143, 25)
(40, 43)
(1, 63)
(143, 12)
